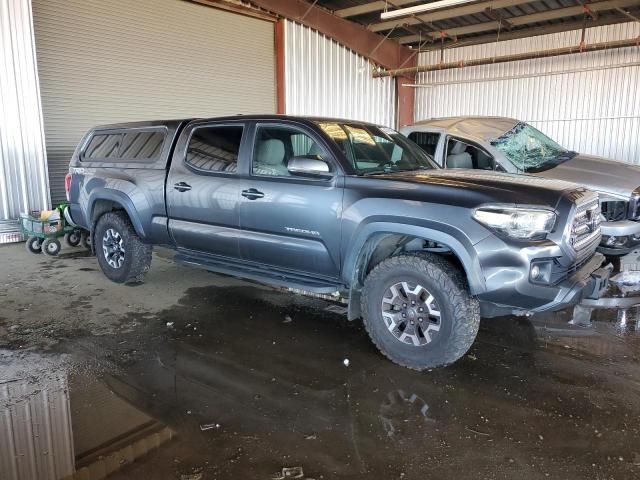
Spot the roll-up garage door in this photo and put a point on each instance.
(121, 60)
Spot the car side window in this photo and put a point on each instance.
(464, 155)
(215, 148)
(428, 141)
(103, 146)
(275, 145)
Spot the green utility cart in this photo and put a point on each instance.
(42, 235)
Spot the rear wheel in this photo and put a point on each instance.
(418, 311)
(122, 256)
(73, 238)
(34, 245)
(51, 246)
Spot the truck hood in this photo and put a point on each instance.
(597, 174)
(489, 186)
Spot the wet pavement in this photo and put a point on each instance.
(196, 376)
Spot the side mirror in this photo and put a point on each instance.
(309, 165)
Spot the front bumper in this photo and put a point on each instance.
(509, 289)
(619, 238)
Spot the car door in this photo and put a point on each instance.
(290, 222)
(203, 188)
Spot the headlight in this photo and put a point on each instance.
(522, 223)
(634, 205)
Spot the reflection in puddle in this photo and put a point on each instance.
(62, 425)
(401, 409)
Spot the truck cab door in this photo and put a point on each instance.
(203, 188)
(290, 222)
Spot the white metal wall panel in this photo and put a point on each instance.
(35, 429)
(327, 79)
(23, 165)
(104, 62)
(596, 110)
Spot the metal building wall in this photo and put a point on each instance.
(23, 164)
(121, 60)
(596, 110)
(36, 438)
(327, 79)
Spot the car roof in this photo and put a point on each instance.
(481, 128)
(176, 122)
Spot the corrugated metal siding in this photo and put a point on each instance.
(327, 79)
(104, 62)
(23, 165)
(35, 430)
(595, 111)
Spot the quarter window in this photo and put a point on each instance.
(125, 146)
(103, 147)
(215, 148)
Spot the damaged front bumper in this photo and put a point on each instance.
(619, 238)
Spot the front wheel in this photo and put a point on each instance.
(121, 254)
(418, 311)
(51, 246)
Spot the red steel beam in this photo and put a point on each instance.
(281, 106)
(384, 52)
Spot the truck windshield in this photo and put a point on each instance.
(377, 150)
(530, 150)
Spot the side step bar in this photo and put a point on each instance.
(258, 274)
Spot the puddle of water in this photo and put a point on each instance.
(252, 380)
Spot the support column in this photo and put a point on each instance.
(406, 99)
(281, 106)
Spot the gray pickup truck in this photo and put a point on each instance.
(347, 210)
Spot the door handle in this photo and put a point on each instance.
(252, 194)
(182, 186)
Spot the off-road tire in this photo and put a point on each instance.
(460, 312)
(51, 246)
(137, 255)
(34, 245)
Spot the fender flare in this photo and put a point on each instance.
(462, 248)
(118, 198)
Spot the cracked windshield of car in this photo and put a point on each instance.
(530, 150)
(373, 150)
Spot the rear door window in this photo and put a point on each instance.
(215, 148)
(428, 141)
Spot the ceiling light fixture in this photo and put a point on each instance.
(427, 7)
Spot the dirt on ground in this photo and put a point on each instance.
(195, 376)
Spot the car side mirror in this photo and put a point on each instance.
(310, 166)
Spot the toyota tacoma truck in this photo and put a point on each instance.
(509, 145)
(344, 210)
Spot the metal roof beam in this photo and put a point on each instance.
(529, 32)
(526, 19)
(380, 50)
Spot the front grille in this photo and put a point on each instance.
(585, 228)
(614, 211)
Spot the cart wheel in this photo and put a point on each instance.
(34, 245)
(73, 238)
(85, 239)
(51, 246)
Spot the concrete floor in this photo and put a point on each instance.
(196, 376)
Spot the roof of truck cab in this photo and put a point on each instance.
(483, 128)
(262, 117)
